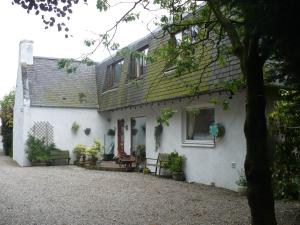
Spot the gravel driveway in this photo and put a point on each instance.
(69, 195)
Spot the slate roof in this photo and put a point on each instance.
(53, 87)
(155, 86)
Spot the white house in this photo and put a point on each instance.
(49, 100)
(126, 94)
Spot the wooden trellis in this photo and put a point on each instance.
(43, 130)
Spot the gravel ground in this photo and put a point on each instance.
(69, 195)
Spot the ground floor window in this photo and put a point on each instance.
(196, 125)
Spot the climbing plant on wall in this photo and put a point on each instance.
(6, 115)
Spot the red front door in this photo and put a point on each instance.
(121, 137)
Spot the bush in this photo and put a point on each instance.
(79, 150)
(284, 124)
(37, 150)
(95, 150)
(175, 162)
(6, 115)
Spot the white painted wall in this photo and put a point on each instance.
(203, 164)
(21, 106)
(62, 119)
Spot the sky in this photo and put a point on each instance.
(86, 21)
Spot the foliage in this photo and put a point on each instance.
(95, 150)
(141, 152)
(37, 150)
(75, 127)
(163, 119)
(285, 124)
(6, 116)
(175, 162)
(111, 132)
(157, 135)
(79, 150)
(165, 115)
(242, 179)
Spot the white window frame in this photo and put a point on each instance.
(196, 143)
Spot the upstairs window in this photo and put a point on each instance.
(113, 74)
(139, 63)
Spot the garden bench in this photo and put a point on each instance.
(59, 155)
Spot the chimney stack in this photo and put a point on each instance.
(26, 52)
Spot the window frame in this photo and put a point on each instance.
(135, 62)
(177, 38)
(209, 143)
(110, 76)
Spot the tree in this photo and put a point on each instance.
(257, 36)
(6, 115)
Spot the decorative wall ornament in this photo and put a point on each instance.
(87, 131)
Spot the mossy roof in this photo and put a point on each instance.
(50, 86)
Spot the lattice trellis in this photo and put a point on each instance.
(42, 130)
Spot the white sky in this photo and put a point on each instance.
(16, 25)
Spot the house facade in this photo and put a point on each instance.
(127, 94)
(49, 100)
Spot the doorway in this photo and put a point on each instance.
(138, 134)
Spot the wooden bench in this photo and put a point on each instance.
(158, 163)
(59, 155)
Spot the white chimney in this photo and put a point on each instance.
(26, 52)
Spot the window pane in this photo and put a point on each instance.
(108, 80)
(178, 38)
(117, 71)
(194, 33)
(197, 124)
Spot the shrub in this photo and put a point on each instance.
(284, 123)
(175, 162)
(37, 150)
(6, 115)
(79, 150)
(95, 150)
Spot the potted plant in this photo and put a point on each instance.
(75, 127)
(175, 165)
(79, 152)
(111, 132)
(87, 131)
(242, 183)
(94, 151)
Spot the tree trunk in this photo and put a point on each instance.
(258, 175)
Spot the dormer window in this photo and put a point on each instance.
(139, 63)
(113, 74)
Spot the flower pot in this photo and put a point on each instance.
(178, 176)
(93, 160)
